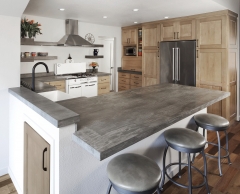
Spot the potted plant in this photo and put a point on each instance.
(29, 28)
(94, 65)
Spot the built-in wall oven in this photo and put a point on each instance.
(130, 51)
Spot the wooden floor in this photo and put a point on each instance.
(229, 183)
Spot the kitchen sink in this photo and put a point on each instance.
(56, 95)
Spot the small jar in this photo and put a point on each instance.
(27, 54)
(34, 54)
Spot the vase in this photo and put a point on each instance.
(94, 70)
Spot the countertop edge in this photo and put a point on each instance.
(69, 119)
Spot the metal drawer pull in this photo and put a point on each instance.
(103, 79)
(44, 169)
(123, 86)
(133, 69)
(135, 83)
(136, 77)
(57, 85)
(123, 81)
(173, 35)
(103, 88)
(177, 35)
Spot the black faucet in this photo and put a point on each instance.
(33, 73)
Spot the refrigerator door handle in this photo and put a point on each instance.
(173, 65)
(179, 65)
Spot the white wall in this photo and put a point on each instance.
(232, 5)
(54, 29)
(10, 68)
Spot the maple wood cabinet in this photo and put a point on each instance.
(103, 85)
(132, 64)
(129, 36)
(60, 85)
(178, 30)
(36, 162)
(128, 81)
(151, 36)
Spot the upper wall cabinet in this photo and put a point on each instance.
(212, 32)
(232, 32)
(129, 36)
(151, 36)
(178, 30)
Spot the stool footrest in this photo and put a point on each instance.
(181, 185)
(211, 156)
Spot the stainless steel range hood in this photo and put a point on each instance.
(72, 38)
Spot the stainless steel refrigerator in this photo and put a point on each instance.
(178, 62)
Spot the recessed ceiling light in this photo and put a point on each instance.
(166, 17)
(135, 9)
(104, 17)
(61, 9)
(135, 22)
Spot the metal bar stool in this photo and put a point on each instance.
(133, 174)
(187, 141)
(216, 123)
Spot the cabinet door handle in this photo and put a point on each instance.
(177, 35)
(44, 169)
(57, 85)
(133, 69)
(135, 82)
(158, 44)
(173, 35)
(123, 81)
(136, 77)
(103, 88)
(103, 79)
(197, 53)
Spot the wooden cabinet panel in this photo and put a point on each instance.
(132, 64)
(217, 107)
(151, 36)
(36, 162)
(60, 85)
(233, 101)
(104, 79)
(232, 32)
(167, 31)
(133, 36)
(232, 65)
(136, 82)
(186, 30)
(129, 36)
(122, 87)
(123, 75)
(212, 66)
(150, 67)
(103, 88)
(136, 77)
(124, 81)
(125, 36)
(211, 32)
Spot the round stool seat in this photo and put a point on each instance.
(184, 140)
(211, 122)
(133, 172)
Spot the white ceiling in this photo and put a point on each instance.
(119, 12)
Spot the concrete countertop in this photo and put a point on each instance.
(40, 86)
(127, 71)
(56, 114)
(113, 122)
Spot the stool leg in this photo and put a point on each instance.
(189, 175)
(109, 188)
(164, 169)
(229, 161)
(219, 154)
(194, 155)
(179, 162)
(158, 191)
(205, 170)
(203, 132)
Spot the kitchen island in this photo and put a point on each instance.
(108, 125)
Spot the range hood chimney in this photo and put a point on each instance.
(72, 38)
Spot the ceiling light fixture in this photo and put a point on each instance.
(135, 22)
(61, 9)
(166, 17)
(104, 17)
(135, 9)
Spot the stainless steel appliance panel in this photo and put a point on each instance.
(186, 63)
(167, 62)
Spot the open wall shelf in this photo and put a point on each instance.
(93, 57)
(39, 58)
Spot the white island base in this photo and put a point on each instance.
(73, 170)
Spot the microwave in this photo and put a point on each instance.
(130, 51)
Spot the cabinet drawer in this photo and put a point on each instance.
(103, 88)
(58, 84)
(123, 75)
(132, 87)
(104, 79)
(136, 83)
(124, 81)
(132, 65)
(136, 76)
(123, 87)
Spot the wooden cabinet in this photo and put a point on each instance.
(129, 36)
(151, 36)
(60, 85)
(150, 68)
(36, 162)
(103, 85)
(178, 30)
(212, 32)
(128, 81)
(132, 64)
